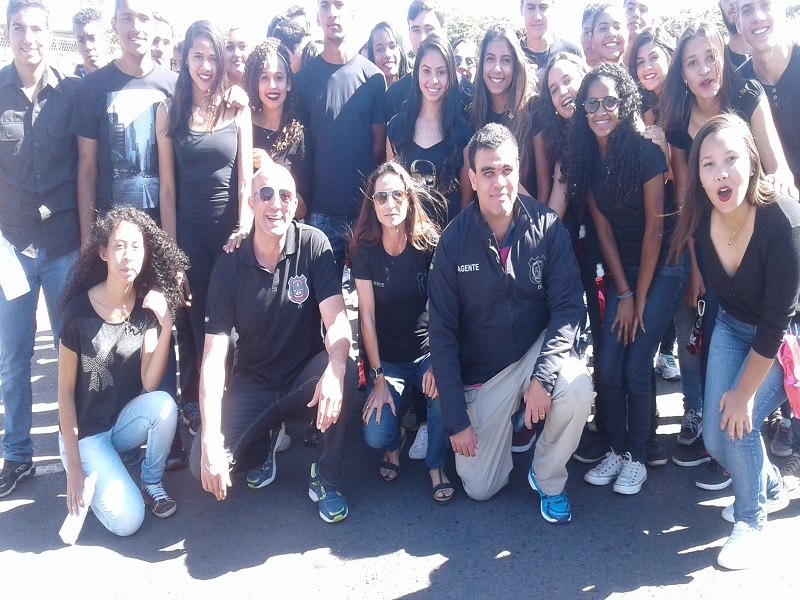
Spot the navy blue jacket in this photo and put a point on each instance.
(484, 317)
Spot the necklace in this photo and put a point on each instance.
(738, 229)
(122, 313)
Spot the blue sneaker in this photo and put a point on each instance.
(332, 505)
(555, 509)
(265, 474)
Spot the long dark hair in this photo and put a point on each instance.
(554, 126)
(181, 111)
(623, 173)
(422, 231)
(402, 67)
(447, 180)
(163, 260)
(290, 130)
(677, 98)
(518, 116)
(661, 38)
(696, 204)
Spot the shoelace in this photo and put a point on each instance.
(194, 409)
(670, 360)
(784, 432)
(793, 464)
(691, 420)
(157, 491)
(558, 503)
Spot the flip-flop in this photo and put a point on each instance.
(393, 468)
(443, 487)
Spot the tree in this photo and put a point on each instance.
(467, 23)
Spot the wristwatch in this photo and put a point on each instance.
(375, 373)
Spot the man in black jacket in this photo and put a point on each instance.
(505, 306)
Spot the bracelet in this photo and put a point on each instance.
(628, 294)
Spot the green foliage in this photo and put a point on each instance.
(467, 22)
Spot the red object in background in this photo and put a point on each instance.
(602, 289)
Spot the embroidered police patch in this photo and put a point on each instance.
(537, 266)
(298, 289)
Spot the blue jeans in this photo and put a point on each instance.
(117, 501)
(400, 378)
(17, 334)
(691, 364)
(337, 229)
(754, 478)
(624, 373)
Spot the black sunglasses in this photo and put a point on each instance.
(268, 193)
(467, 60)
(382, 198)
(592, 105)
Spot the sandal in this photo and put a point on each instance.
(443, 487)
(393, 468)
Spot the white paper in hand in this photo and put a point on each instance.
(74, 523)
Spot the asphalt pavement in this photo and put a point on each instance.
(396, 543)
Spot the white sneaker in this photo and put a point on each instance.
(742, 549)
(779, 502)
(606, 471)
(419, 448)
(631, 477)
(666, 367)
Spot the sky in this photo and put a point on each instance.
(256, 13)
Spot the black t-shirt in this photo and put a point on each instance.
(784, 101)
(208, 178)
(749, 93)
(276, 315)
(740, 63)
(293, 157)
(539, 60)
(763, 291)
(338, 105)
(627, 218)
(400, 285)
(436, 156)
(400, 90)
(119, 111)
(109, 372)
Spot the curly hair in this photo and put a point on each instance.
(623, 173)
(554, 126)
(163, 259)
(696, 204)
(290, 129)
(677, 99)
(422, 231)
(447, 177)
(402, 67)
(182, 103)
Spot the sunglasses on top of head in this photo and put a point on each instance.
(467, 60)
(382, 198)
(267, 193)
(592, 105)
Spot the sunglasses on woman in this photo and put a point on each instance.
(268, 193)
(592, 105)
(467, 60)
(382, 198)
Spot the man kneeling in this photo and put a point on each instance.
(505, 305)
(274, 290)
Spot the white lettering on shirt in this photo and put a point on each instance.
(468, 268)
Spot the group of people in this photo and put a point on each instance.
(486, 197)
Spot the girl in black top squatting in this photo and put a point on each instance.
(619, 175)
(750, 238)
(392, 248)
(113, 355)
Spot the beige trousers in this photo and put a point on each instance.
(490, 408)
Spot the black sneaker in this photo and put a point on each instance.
(714, 477)
(177, 458)
(593, 448)
(656, 455)
(312, 436)
(190, 414)
(692, 455)
(13, 472)
(691, 427)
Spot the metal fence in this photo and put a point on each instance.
(63, 52)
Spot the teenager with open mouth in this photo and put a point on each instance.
(618, 176)
(609, 32)
(385, 49)
(429, 130)
(750, 237)
(204, 151)
(505, 85)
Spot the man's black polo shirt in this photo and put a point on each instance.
(276, 316)
(38, 165)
